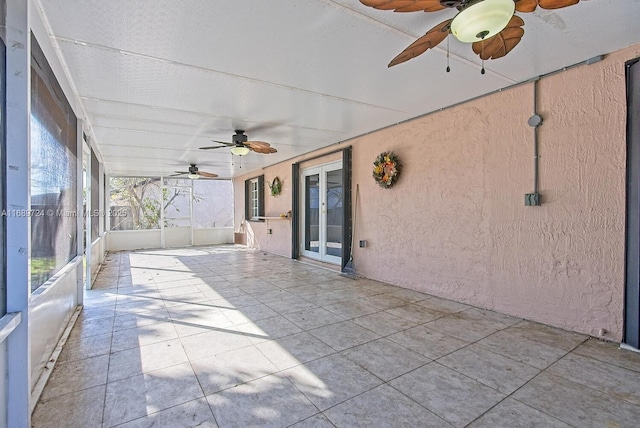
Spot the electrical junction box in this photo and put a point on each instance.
(532, 199)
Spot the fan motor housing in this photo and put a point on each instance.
(451, 3)
(239, 137)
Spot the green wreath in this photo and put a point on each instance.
(275, 186)
(386, 169)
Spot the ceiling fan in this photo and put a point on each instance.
(194, 173)
(490, 25)
(240, 146)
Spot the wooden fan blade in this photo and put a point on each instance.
(502, 43)
(207, 174)
(526, 6)
(260, 147)
(405, 5)
(430, 40)
(257, 144)
(179, 173)
(556, 4)
(212, 147)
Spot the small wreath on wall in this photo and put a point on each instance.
(275, 186)
(386, 169)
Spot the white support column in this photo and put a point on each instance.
(82, 234)
(18, 200)
(107, 206)
(163, 242)
(101, 200)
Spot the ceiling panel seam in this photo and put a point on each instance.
(224, 73)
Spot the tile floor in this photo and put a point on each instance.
(224, 336)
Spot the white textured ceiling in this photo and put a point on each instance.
(160, 78)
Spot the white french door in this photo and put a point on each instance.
(322, 212)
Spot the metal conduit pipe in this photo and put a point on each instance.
(533, 199)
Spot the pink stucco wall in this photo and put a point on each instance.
(455, 225)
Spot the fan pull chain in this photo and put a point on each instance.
(482, 57)
(448, 68)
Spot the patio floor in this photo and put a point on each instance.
(230, 337)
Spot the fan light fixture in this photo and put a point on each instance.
(239, 150)
(193, 176)
(482, 19)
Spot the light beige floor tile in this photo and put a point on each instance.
(376, 286)
(410, 296)
(146, 335)
(125, 321)
(513, 414)
(491, 369)
(384, 323)
(352, 308)
(271, 401)
(385, 359)
(194, 413)
(313, 318)
(315, 421)
(331, 380)
(447, 393)
(140, 304)
(247, 314)
(86, 347)
(236, 301)
(92, 327)
(269, 329)
(609, 353)
(344, 335)
(463, 329)
(144, 359)
(429, 343)
(305, 290)
(77, 409)
(72, 376)
(214, 342)
(513, 345)
(385, 301)
(144, 394)
(94, 313)
(577, 404)
(489, 318)
(443, 305)
(328, 298)
(383, 406)
(100, 298)
(415, 313)
(196, 285)
(616, 381)
(294, 350)
(290, 304)
(275, 295)
(231, 368)
(552, 336)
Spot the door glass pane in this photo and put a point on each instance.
(334, 213)
(312, 213)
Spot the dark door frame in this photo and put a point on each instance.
(631, 316)
(347, 227)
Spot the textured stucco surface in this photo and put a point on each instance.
(455, 224)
